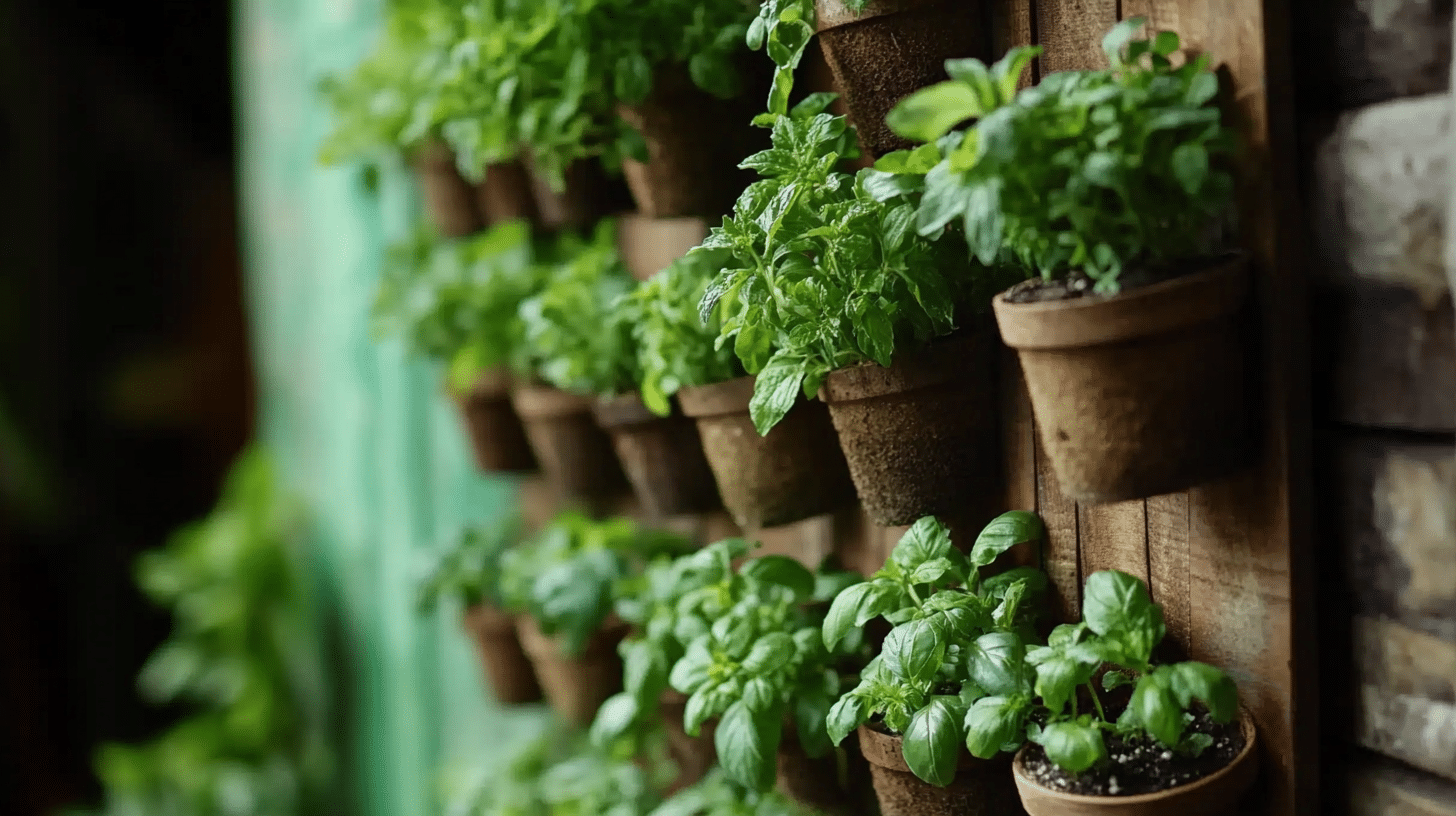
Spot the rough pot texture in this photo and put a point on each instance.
(694, 143)
(507, 669)
(505, 194)
(924, 434)
(575, 685)
(449, 199)
(694, 756)
(894, 48)
(1143, 393)
(574, 453)
(1213, 795)
(982, 787)
(663, 457)
(588, 196)
(795, 472)
(495, 432)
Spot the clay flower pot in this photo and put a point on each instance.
(663, 457)
(982, 787)
(1139, 394)
(574, 453)
(795, 472)
(507, 668)
(694, 144)
(648, 245)
(588, 196)
(495, 432)
(1218, 793)
(922, 435)
(694, 756)
(575, 685)
(448, 198)
(894, 48)
(505, 194)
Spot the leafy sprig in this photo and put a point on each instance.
(718, 795)
(471, 569)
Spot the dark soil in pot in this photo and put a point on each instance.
(663, 457)
(694, 144)
(1140, 763)
(505, 194)
(448, 198)
(575, 685)
(922, 435)
(982, 787)
(507, 669)
(795, 472)
(574, 452)
(694, 756)
(894, 48)
(1144, 393)
(496, 436)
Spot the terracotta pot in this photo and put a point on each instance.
(507, 668)
(795, 472)
(814, 782)
(589, 195)
(1218, 793)
(694, 756)
(495, 432)
(922, 435)
(1143, 393)
(506, 194)
(894, 48)
(448, 198)
(663, 457)
(574, 453)
(982, 787)
(694, 146)
(648, 245)
(575, 685)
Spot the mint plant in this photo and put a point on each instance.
(957, 638)
(675, 347)
(567, 577)
(1093, 172)
(783, 28)
(470, 570)
(561, 773)
(752, 657)
(718, 795)
(575, 334)
(826, 270)
(1120, 628)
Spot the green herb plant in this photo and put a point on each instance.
(754, 659)
(957, 638)
(561, 774)
(675, 347)
(576, 335)
(827, 271)
(471, 569)
(568, 576)
(1096, 172)
(1120, 628)
(718, 795)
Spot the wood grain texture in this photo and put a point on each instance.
(1382, 787)
(1167, 548)
(1059, 513)
(1406, 706)
(1113, 537)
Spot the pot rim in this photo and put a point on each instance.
(621, 411)
(537, 401)
(896, 743)
(1160, 308)
(921, 369)
(718, 399)
(1251, 740)
(831, 14)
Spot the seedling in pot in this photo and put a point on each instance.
(470, 569)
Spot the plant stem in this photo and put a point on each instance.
(1101, 714)
(914, 596)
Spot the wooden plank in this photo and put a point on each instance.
(1167, 542)
(1407, 695)
(1015, 25)
(1059, 513)
(1018, 441)
(1381, 787)
(1113, 537)
(1071, 33)
(1356, 53)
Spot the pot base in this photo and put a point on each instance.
(575, 685)
(507, 669)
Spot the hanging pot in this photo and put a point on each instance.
(663, 457)
(694, 144)
(981, 787)
(448, 198)
(507, 668)
(649, 245)
(1219, 793)
(694, 756)
(588, 196)
(894, 48)
(795, 472)
(922, 435)
(495, 432)
(1142, 393)
(505, 194)
(575, 685)
(573, 452)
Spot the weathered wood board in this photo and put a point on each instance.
(1405, 705)
(1381, 787)
(1359, 52)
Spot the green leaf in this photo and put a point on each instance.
(993, 724)
(1057, 680)
(811, 710)
(1199, 681)
(877, 335)
(773, 649)
(1004, 532)
(932, 742)
(746, 742)
(1113, 602)
(931, 112)
(1072, 746)
(996, 664)
(780, 570)
(917, 648)
(813, 105)
(845, 716)
(854, 607)
(614, 719)
(1156, 710)
(926, 540)
(1190, 167)
(632, 77)
(1120, 35)
(776, 390)
(1116, 680)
